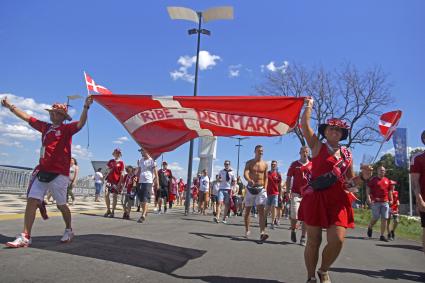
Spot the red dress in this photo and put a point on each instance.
(331, 206)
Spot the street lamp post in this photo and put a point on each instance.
(182, 13)
(239, 148)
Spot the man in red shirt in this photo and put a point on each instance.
(274, 191)
(52, 172)
(394, 213)
(379, 195)
(114, 180)
(165, 176)
(297, 179)
(417, 174)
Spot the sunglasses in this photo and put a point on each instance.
(226, 163)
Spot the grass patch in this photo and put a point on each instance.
(408, 228)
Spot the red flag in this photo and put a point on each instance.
(161, 124)
(92, 86)
(388, 123)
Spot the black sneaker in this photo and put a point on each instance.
(392, 235)
(293, 236)
(383, 239)
(389, 236)
(369, 232)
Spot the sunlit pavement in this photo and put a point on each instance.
(176, 248)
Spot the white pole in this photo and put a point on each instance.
(410, 182)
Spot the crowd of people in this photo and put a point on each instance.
(318, 193)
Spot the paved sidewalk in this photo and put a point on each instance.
(176, 248)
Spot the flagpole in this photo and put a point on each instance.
(410, 180)
(87, 119)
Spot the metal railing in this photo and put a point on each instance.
(15, 181)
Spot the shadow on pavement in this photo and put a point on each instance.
(356, 237)
(150, 255)
(399, 246)
(220, 279)
(394, 274)
(235, 238)
(211, 221)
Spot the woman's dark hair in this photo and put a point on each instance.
(75, 160)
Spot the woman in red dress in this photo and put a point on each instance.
(328, 204)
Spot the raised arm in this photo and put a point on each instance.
(311, 138)
(15, 110)
(417, 191)
(83, 117)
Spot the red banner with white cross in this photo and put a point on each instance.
(160, 124)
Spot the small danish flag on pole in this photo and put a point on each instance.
(388, 123)
(92, 86)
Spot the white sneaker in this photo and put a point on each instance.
(20, 242)
(225, 220)
(247, 233)
(67, 236)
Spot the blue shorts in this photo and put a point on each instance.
(272, 200)
(380, 210)
(98, 187)
(144, 192)
(224, 196)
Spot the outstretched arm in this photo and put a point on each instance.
(15, 110)
(310, 136)
(83, 117)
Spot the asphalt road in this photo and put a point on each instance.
(177, 248)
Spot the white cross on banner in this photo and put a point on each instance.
(161, 124)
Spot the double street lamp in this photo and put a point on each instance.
(182, 13)
(239, 149)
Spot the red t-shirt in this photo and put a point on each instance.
(379, 189)
(55, 154)
(195, 191)
(418, 166)
(394, 204)
(116, 169)
(300, 174)
(274, 180)
(128, 182)
(181, 186)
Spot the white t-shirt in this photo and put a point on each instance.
(224, 184)
(72, 172)
(146, 167)
(205, 184)
(98, 178)
(215, 188)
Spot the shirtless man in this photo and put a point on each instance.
(255, 174)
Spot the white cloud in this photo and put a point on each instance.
(234, 70)
(271, 67)
(206, 61)
(4, 154)
(80, 152)
(10, 142)
(121, 140)
(18, 131)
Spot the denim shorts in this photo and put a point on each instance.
(272, 200)
(224, 196)
(380, 210)
(144, 192)
(98, 187)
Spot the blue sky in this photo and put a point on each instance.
(133, 47)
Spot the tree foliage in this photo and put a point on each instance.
(357, 97)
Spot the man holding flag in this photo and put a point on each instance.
(417, 174)
(52, 172)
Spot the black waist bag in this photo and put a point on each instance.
(46, 177)
(323, 182)
(254, 190)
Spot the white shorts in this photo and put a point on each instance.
(57, 187)
(258, 199)
(295, 205)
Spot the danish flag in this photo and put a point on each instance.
(161, 124)
(388, 123)
(92, 86)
